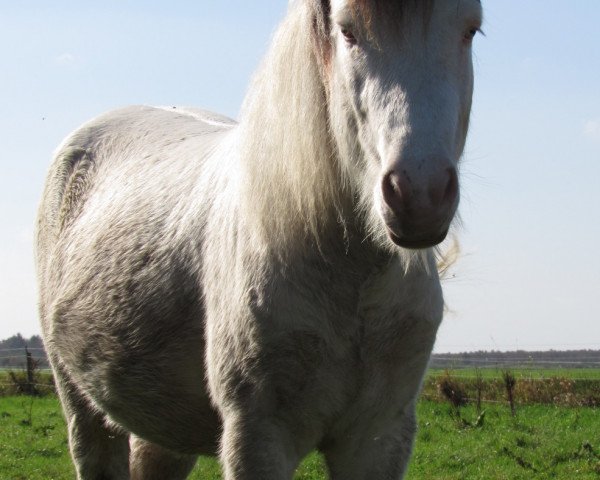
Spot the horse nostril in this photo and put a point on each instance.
(394, 193)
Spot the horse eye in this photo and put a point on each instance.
(470, 35)
(348, 35)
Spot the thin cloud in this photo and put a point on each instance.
(66, 59)
(591, 129)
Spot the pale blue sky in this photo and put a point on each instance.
(530, 270)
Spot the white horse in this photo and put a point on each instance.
(262, 289)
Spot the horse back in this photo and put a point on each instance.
(116, 140)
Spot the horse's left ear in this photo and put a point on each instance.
(321, 25)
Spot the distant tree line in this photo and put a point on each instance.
(534, 359)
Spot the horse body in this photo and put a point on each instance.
(208, 287)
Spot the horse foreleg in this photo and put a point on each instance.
(257, 449)
(97, 450)
(377, 456)
(149, 461)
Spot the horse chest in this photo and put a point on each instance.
(338, 350)
(388, 354)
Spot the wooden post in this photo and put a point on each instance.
(30, 373)
(510, 382)
(479, 386)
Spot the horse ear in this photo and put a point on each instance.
(321, 21)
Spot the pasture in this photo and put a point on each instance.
(542, 441)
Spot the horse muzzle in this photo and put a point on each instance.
(419, 203)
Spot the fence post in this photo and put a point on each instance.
(30, 372)
(509, 383)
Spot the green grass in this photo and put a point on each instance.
(312, 468)
(33, 440)
(541, 442)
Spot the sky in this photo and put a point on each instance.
(529, 270)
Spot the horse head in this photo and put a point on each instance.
(399, 81)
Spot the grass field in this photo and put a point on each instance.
(541, 442)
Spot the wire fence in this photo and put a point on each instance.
(19, 358)
(584, 363)
(571, 378)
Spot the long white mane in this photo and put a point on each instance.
(292, 182)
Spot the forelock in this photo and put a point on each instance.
(392, 9)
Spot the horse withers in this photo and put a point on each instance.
(256, 290)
